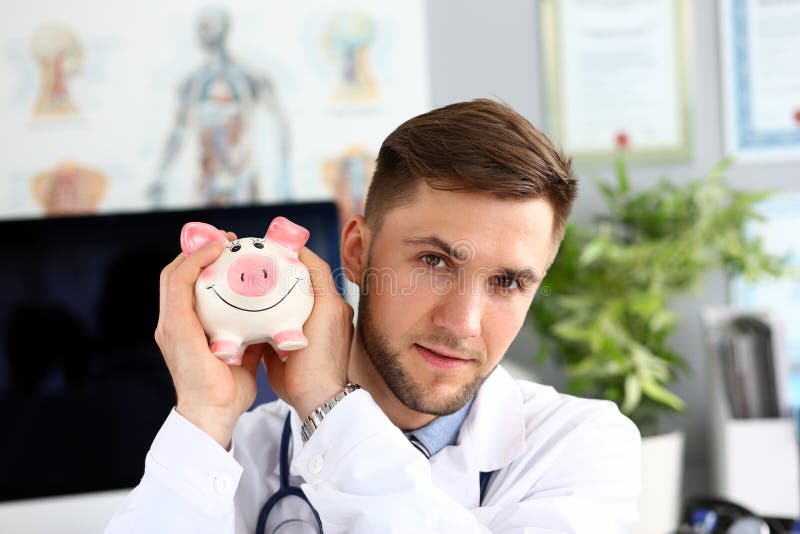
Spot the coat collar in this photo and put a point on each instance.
(492, 435)
(495, 427)
(442, 431)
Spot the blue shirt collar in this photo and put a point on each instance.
(442, 431)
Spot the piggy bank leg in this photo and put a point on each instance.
(290, 340)
(282, 354)
(229, 352)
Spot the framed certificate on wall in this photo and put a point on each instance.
(617, 74)
(760, 45)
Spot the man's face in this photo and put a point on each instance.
(448, 284)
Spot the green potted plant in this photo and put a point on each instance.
(604, 312)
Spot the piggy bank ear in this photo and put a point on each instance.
(284, 232)
(195, 235)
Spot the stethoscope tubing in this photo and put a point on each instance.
(285, 489)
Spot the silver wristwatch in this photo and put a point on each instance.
(315, 419)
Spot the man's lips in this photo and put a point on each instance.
(440, 351)
(446, 361)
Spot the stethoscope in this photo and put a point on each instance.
(286, 489)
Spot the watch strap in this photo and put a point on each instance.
(315, 419)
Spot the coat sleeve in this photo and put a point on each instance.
(188, 485)
(363, 476)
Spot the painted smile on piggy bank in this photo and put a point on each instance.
(235, 296)
(253, 276)
(211, 287)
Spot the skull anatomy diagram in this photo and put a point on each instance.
(256, 291)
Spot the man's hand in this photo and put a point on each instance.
(211, 394)
(316, 373)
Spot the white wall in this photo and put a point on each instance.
(493, 49)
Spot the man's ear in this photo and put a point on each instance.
(355, 248)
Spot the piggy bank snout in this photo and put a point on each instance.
(252, 275)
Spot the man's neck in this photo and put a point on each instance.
(361, 371)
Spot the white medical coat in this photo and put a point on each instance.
(564, 464)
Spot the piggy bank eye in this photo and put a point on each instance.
(236, 248)
(258, 245)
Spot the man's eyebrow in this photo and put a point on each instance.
(437, 242)
(527, 275)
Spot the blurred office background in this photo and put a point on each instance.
(121, 108)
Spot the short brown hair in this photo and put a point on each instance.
(479, 145)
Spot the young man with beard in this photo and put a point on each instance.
(464, 216)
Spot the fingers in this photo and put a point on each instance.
(326, 295)
(252, 357)
(275, 371)
(321, 275)
(199, 259)
(190, 268)
(163, 280)
(180, 284)
(177, 321)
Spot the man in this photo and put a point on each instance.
(464, 215)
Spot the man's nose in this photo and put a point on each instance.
(460, 311)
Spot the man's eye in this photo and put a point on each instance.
(506, 283)
(433, 261)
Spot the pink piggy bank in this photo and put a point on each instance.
(256, 291)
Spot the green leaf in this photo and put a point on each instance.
(660, 394)
(570, 331)
(663, 320)
(656, 368)
(719, 169)
(575, 302)
(608, 192)
(595, 368)
(633, 394)
(592, 251)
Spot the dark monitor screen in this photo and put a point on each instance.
(83, 386)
